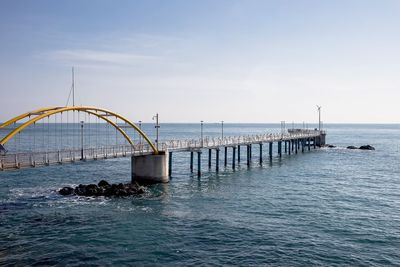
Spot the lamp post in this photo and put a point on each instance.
(140, 136)
(201, 127)
(157, 127)
(82, 122)
(222, 129)
(319, 117)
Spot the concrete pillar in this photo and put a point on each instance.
(169, 164)
(248, 154)
(150, 169)
(280, 148)
(285, 146)
(261, 149)
(290, 146)
(308, 143)
(217, 160)
(233, 157)
(270, 150)
(302, 145)
(251, 151)
(239, 153)
(296, 145)
(293, 142)
(226, 156)
(209, 158)
(199, 163)
(191, 161)
(315, 143)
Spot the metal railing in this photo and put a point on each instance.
(33, 158)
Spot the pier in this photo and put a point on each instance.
(153, 161)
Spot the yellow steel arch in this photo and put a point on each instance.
(47, 112)
(27, 114)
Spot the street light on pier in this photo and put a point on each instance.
(222, 129)
(82, 123)
(157, 127)
(140, 136)
(201, 129)
(319, 117)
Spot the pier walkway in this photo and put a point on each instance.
(150, 159)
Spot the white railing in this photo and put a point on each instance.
(235, 140)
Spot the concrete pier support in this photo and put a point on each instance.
(226, 156)
(261, 149)
(302, 145)
(296, 141)
(199, 163)
(191, 161)
(233, 157)
(150, 168)
(315, 142)
(248, 155)
(293, 143)
(290, 149)
(280, 149)
(270, 150)
(285, 147)
(251, 151)
(169, 164)
(238, 153)
(309, 144)
(209, 158)
(217, 160)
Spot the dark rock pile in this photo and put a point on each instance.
(103, 188)
(366, 147)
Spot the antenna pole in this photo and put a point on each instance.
(73, 87)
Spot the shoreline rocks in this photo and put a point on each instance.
(103, 188)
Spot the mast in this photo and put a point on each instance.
(73, 87)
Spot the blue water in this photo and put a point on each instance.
(328, 207)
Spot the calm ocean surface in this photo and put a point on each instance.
(328, 207)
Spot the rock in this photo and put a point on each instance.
(103, 183)
(352, 147)
(80, 190)
(104, 189)
(331, 146)
(91, 190)
(367, 147)
(66, 191)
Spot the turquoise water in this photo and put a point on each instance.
(324, 207)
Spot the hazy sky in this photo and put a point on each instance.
(238, 61)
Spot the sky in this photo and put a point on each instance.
(237, 61)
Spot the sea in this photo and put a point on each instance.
(324, 207)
